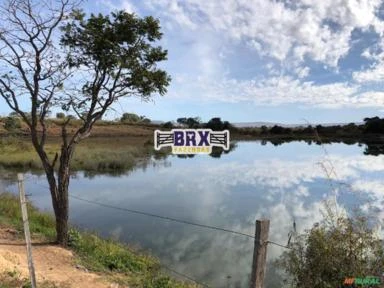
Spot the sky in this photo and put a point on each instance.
(264, 60)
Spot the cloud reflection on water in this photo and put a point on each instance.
(284, 184)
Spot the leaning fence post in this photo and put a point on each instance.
(27, 234)
(260, 254)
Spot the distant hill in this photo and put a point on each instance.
(157, 122)
(271, 124)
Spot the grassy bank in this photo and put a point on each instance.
(107, 257)
(93, 154)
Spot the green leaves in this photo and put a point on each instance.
(325, 255)
(118, 52)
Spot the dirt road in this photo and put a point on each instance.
(52, 263)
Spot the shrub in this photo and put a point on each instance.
(190, 122)
(130, 118)
(217, 125)
(12, 123)
(326, 254)
(60, 115)
(167, 125)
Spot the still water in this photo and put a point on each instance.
(284, 183)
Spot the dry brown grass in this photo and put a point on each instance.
(101, 129)
(95, 154)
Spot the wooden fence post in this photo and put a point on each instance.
(27, 234)
(260, 254)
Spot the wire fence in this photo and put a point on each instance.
(326, 165)
(166, 217)
(31, 178)
(161, 217)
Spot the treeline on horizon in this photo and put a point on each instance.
(373, 125)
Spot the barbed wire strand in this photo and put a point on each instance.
(162, 265)
(184, 275)
(280, 245)
(166, 218)
(162, 217)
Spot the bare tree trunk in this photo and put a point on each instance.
(60, 203)
(62, 210)
(58, 185)
(59, 196)
(61, 215)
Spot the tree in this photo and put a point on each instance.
(60, 115)
(144, 119)
(109, 57)
(12, 123)
(190, 122)
(276, 129)
(130, 118)
(320, 129)
(264, 130)
(182, 120)
(167, 125)
(193, 122)
(308, 130)
(134, 118)
(217, 125)
(374, 125)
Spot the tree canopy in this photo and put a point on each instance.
(99, 59)
(119, 54)
(190, 122)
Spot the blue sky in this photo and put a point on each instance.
(286, 61)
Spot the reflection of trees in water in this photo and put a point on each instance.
(217, 152)
(9, 176)
(162, 154)
(7, 179)
(371, 147)
(374, 149)
(142, 164)
(185, 156)
(159, 158)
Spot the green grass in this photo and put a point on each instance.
(41, 224)
(115, 260)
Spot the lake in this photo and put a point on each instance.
(284, 183)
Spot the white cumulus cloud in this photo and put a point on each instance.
(320, 30)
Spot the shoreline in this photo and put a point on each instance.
(102, 262)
